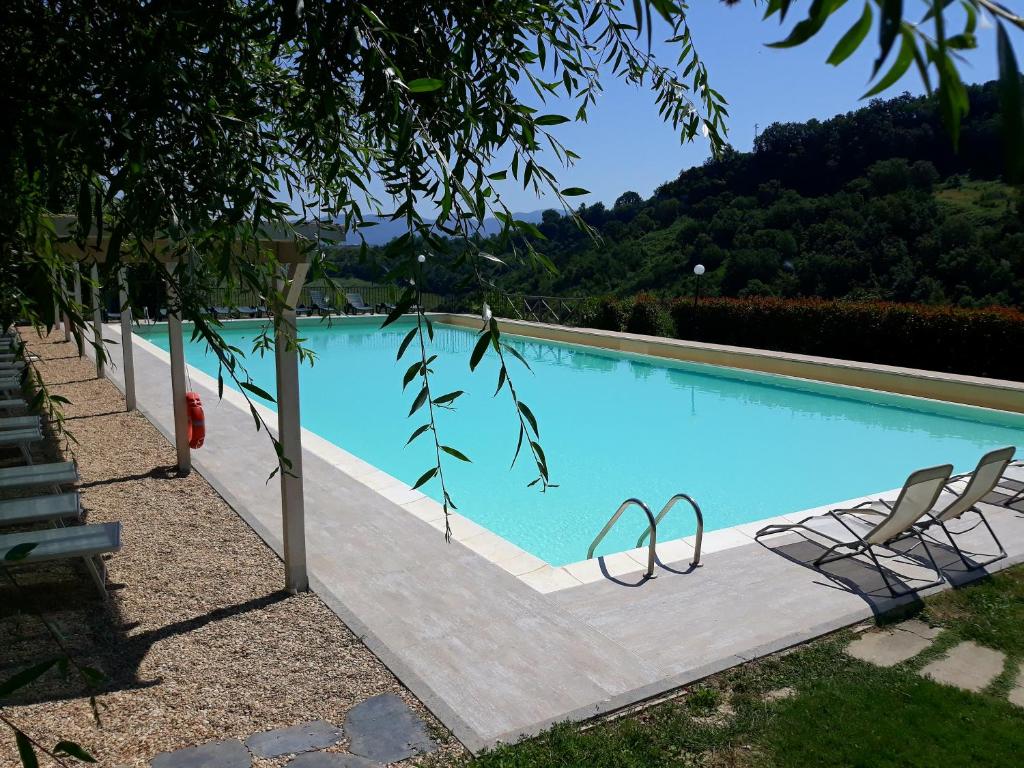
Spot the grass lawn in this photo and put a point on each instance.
(841, 712)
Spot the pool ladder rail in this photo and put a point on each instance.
(652, 529)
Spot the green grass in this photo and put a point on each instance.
(844, 712)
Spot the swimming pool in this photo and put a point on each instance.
(747, 446)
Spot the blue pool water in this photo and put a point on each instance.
(746, 446)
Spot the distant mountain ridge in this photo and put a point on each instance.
(385, 230)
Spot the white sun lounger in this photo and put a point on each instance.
(40, 509)
(39, 475)
(22, 438)
(980, 483)
(20, 422)
(89, 542)
(897, 524)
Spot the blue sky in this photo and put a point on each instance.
(625, 145)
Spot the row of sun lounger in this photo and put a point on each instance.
(54, 506)
(915, 516)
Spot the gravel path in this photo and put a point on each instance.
(198, 642)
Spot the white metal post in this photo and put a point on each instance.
(177, 352)
(126, 340)
(78, 304)
(97, 320)
(289, 431)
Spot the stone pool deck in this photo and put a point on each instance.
(492, 656)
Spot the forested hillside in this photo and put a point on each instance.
(871, 204)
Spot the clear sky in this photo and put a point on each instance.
(625, 145)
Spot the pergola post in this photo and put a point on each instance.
(126, 340)
(289, 432)
(97, 319)
(79, 339)
(177, 352)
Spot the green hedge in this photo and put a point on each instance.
(978, 342)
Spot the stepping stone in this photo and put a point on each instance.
(230, 753)
(383, 728)
(919, 628)
(1017, 694)
(892, 646)
(298, 738)
(779, 694)
(968, 666)
(331, 760)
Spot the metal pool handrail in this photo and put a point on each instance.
(652, 529)
(664, 511)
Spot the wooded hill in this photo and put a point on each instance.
(872, 204)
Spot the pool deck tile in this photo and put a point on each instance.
(717, 541)
(547, 579)
(425, 508)
(462, 528)
(488, 652)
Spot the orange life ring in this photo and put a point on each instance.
(196, 420)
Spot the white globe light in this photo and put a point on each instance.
(421, 258)
(698, 270)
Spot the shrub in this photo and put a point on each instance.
(980, 342)
(648, 315)
(604, 312)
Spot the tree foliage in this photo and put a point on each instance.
(870, 204)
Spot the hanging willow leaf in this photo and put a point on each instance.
(26, 676)
(71, 749)
(809, 27)
(888, 29)
(425, 477)
(899, 67)
(424, 84)
(849, 42)
(26, 751)
(456, 453)
(405, 343)
(1012, 105)
(479, 350)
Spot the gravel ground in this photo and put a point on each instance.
(197, 641)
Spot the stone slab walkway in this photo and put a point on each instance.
(380, 730)
(893, 646)
(967, 665)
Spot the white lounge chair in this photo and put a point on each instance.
(980, 483)
(53, 474)
(89, 542)
(23, 438)
(916, 499)
(40, 509)
(20, 422)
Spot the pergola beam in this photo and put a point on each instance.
(290, 246)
